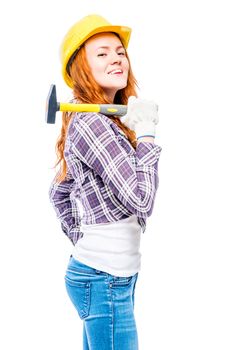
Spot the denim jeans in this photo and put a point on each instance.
(105, 304)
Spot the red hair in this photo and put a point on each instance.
(87, 90)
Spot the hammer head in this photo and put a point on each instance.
(51, 105)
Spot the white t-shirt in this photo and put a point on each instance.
(112, 247)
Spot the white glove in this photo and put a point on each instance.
(142, 116)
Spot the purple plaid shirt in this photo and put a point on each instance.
(106, 174)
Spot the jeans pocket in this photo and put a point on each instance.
(122, 281)
(79, 293)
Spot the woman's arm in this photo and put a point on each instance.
(94, 142)
(66, 208)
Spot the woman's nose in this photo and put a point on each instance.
(115, 58)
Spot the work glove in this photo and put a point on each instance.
(142, 116)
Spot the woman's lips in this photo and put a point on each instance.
(119, 73)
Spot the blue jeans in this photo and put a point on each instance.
(105, 303)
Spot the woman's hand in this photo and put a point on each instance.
(142, 116)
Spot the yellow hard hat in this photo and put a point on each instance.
(80, 32)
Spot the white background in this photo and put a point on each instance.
(182, 55)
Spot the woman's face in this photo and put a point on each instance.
(108, 62)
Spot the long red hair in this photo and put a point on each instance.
(86, 90)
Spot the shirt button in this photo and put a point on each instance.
(110, 285)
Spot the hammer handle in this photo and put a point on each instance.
(108, 109)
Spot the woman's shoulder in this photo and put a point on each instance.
(93, 117)
(82, 123)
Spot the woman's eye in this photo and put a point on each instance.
(104, 54)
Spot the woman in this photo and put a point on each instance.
(110, 166)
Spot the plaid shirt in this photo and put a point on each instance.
(106, 174)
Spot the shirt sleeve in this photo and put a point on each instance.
(66, 207)
(95, 143)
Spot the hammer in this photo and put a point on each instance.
(52, 106)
